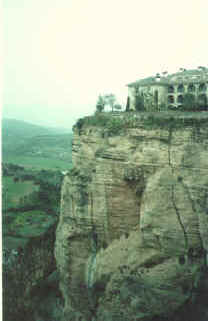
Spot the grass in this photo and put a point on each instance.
(37, 163)
(12, 242)
(31, 223)
(24, 225)
(12, 192)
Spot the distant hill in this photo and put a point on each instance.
(21, 128)
(23, 142)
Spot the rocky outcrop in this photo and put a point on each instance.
(133, 231)
(27, 263)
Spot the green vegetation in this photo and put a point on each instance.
(13, 127)
(38, 163)
(107, 100)
(115, 125)
(30, 223)
(33, 158)
(173, 119)
(13, 191)
(30, 201)
(35, 146)
(98, 119)
(100, 105)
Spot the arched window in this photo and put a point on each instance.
(180, 99)
(191, 88)
(170, 89)
(171, 99)
(202, 87)
(181, 88)
(202, 100)
(190, 97)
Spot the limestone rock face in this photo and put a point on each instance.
(27, 263)
(133, 231)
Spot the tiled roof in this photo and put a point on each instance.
(183, 76)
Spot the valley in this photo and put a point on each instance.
(33, 160)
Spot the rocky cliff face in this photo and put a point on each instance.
(27, 263)
(133, 231)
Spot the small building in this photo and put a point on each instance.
(162, 92)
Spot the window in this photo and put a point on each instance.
(180, 99)
(181, 88)
(191, 88)
(171, 99)
(202, 100)
(202, 87)
(156, 97)
(170, 89)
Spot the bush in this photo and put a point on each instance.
(98, 119)
(115, 126)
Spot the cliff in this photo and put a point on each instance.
(133, 230)
(28, 263)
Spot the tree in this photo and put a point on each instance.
(128, 104)
(110, 100)
(100, 105)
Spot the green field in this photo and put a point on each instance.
(35, 147)
(37, 163)
(21, 226)
(12, 192)
(31, 223)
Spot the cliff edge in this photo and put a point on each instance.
(132, 237)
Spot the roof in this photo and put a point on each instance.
(186, 76)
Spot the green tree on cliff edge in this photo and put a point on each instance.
(110, 100)
(100, 105)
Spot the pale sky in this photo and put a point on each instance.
(59, 55)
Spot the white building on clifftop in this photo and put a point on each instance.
(159, 92)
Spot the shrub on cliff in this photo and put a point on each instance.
(115, 126)
(98, 119)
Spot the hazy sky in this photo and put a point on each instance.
(60, 54)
